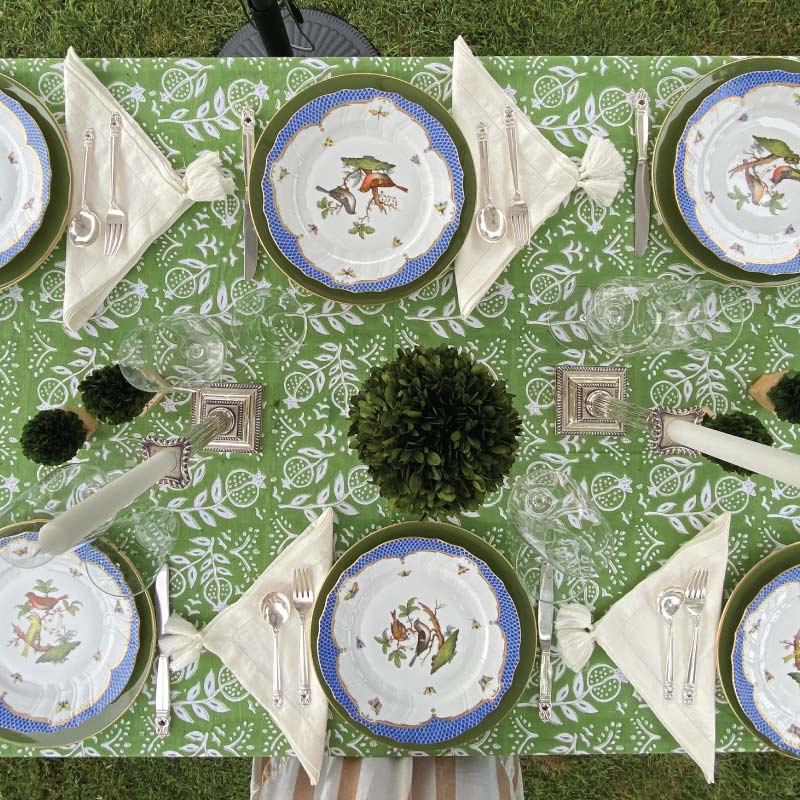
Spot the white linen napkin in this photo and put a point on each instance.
(150, 192)
(243, 641)
(634, 635)
(546, 175)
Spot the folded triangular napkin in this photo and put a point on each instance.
(633, 634)
(243, 641)
(546, 175)
(149, 190)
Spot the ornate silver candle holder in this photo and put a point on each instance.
(591, 400)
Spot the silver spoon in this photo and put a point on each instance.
(490, 222)
(275, 609)
(85, 225)
(669, 602)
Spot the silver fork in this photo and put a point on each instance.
(303, 598)
(518, 215)
(116, 220)
(695, 598)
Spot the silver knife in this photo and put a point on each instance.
(642, 184)
(250, 238)
(545, 637)
(162, 665)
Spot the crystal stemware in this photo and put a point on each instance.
(269, 324)
(554, 517)
(177, 353)
(631, 316)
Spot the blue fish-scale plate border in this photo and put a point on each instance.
(120, 675)
(37, 142)
(312, 114)
(743, 687)
(736, 87)
(434, 731)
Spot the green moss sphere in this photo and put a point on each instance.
(437, 431)
(53, 436)
(738, 423)
(108, 397)
(785, 396)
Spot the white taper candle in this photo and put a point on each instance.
(780, 465)
(72, 526)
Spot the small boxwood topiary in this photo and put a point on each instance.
(436, 430)
(110, 398)
(53, 436)
(737, 423)
(785, 396)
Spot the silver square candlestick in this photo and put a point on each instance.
(241, 404)
(574, 385)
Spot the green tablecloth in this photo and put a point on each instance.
(242, 510)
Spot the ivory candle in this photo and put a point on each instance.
(781, 465)
(75, 524)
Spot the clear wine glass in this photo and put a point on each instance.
(554, 517)
(632, 316)
(179, 352)
(270, 324)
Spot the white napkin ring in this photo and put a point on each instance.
(576, 635)
(601, 173)
(181, 642)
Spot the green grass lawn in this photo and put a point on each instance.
(411, 27)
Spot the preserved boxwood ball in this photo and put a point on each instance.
(53, 436)
(436, 430)
(737, 423)
(110, 398)
(785, 396)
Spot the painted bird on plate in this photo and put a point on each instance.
(423, 640)
(775, 148)
(44, 603)
(785, 173)
(343, 196)
(376, 177)
(32, 634)
(795, 648)
(399, 631)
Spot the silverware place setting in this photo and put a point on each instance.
(276, 608)
(490, 222)
(642, 181)
(85, 224)
(694, 600)
(116, 219)
(545, 620)
(303, 599)
(670, 602)
(518, 216)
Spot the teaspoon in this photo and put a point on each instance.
(491, 222)
(669, 602)
(275, 609)
(85, 225)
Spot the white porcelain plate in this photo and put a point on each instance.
(363, 190)
(766, 661)
(24, 177)
(737, 172)
(68, 648)
(419, 640)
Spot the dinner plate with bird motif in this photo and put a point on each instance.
(70, 647)
(419, 640)
(24, 177)
(766, 661)
(737, 172)
(367, 188)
